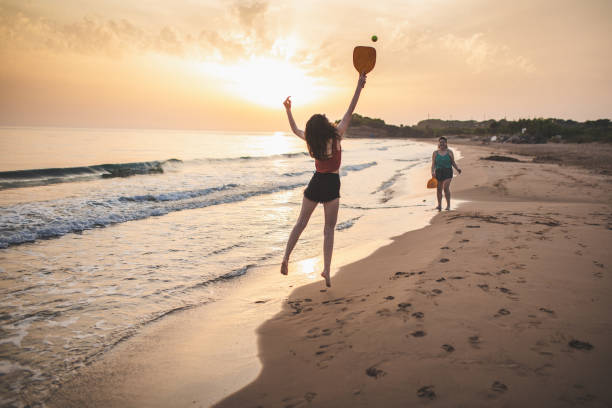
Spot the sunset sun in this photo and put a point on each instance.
(267, 81)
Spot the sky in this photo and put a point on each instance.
(228, 65)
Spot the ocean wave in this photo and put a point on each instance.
(247, 158)
(42, 177)
(178, 195)
(388, 183)
(297, 173)
(29, 222)
(357, 167)
(347, 224)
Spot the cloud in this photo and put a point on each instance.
(240, 32)
(250, 13)
(88, 36)
(244, 32)
(482, 56)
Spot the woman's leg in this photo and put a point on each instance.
(439, 194)
(331, 216)
(447, 193)
(308, 207)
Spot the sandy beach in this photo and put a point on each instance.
(501, 302)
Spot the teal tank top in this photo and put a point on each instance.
(443, 162)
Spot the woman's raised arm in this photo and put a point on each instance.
(346, 119)
(298, 132)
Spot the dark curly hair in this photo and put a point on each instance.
(318, 133)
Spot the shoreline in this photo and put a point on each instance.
(346, 351)
(221, 334)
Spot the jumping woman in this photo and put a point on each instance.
(442, 163)
(323, 141)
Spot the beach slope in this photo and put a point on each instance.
(502, 302)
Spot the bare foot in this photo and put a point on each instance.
(327, 279)
(447, 208)
(439, 208)
(285, 268)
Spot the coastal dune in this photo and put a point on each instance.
(502, 302)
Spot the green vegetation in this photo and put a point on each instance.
(537, 130)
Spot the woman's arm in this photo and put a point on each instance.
(452, 157)
(344, 123)
(298, 132)
(433, 164)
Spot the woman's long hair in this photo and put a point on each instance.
(318, 133)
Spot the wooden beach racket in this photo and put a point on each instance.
(364, 59)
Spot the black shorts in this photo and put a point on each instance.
(444, 173)
(323, 187)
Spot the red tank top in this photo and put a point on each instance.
(332, 164)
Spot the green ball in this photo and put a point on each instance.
(374, 38)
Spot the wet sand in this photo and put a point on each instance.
(502, 302)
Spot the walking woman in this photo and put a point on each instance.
(324, 145)
(442, 163)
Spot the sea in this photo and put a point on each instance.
(106, 231)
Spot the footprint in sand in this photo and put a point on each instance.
(580, 345)
(550, 312)
(418, 315)
(309, 396)
(484, 287)
(398, 275)
(448, 348)
(502, 272)
(418, 333)
(389, 297)
(383, 313)
(499, 387)
(474, 341)
(444, 260)
(464, 241)
(440, 280)
(436, 292)
(403, 306)
(426, 392)
(375, 372)
(502, 312)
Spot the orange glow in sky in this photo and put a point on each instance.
(229, 65)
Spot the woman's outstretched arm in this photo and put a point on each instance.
(298, 132)
(344, 123)
(452, 156)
